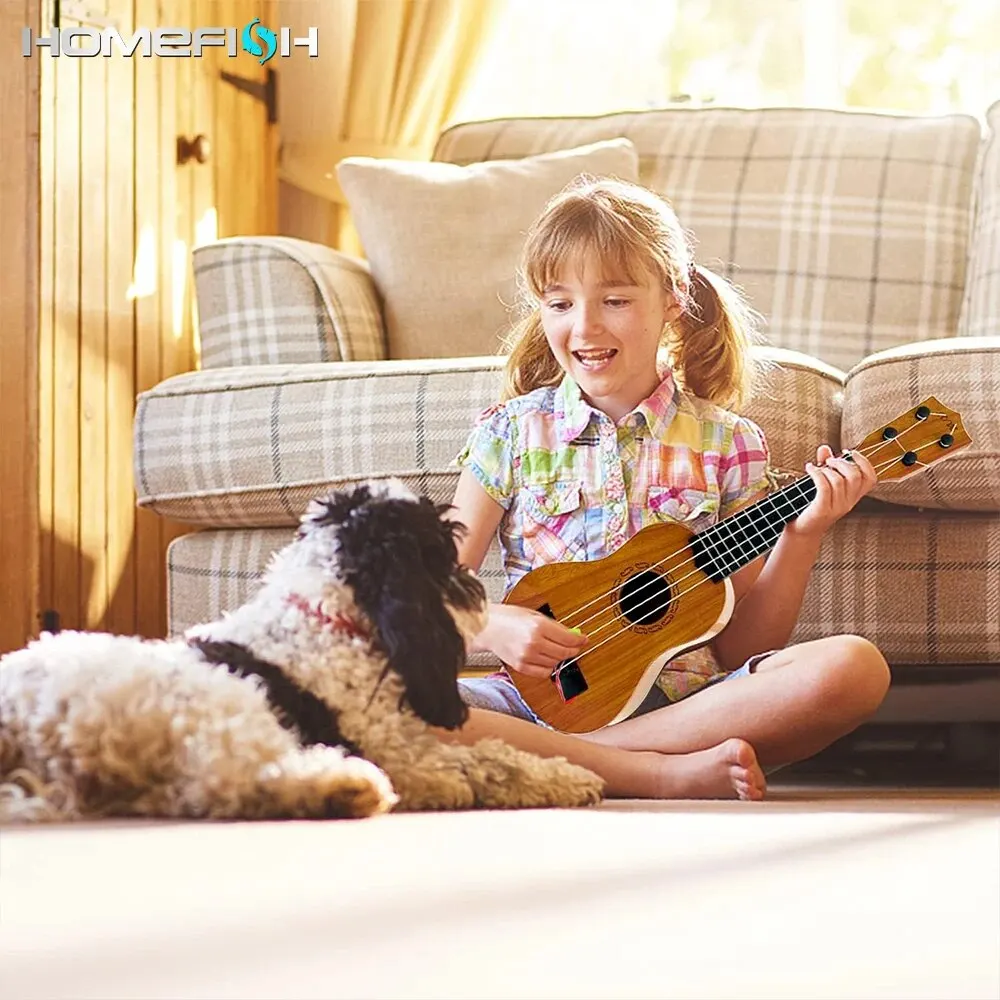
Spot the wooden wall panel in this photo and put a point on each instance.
(87, 380)
(46, 69)
(71, 568)
(19, 281)
(245, 157)
(225, 99)
(121, 335)
(93, 331)
(120, 218)
(153, 126)
(177, 345)
(204, 99)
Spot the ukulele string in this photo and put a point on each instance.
(676, 597)
(566, 621)
(621, 617)
(802, 483)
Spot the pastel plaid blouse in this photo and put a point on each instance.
(574, 486)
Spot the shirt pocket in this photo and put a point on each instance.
(695, 509)
(553, 521)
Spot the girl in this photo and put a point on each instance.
(596, 439)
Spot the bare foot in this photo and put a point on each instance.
(727, 771)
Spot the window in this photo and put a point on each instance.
(577, 57)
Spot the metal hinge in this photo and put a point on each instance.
(266, 90)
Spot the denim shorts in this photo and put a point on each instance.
(496, 692)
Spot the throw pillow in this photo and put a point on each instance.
(443, 241)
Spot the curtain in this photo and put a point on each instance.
(387, 78)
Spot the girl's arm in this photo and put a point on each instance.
(525, 640)
(769, 593)
(769, 597)
(480, 514)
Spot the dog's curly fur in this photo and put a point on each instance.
(314, 699)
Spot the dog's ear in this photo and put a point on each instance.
(333, 509)
(398, 558)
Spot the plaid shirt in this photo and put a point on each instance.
(574, 486)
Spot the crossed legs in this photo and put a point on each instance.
(716, 743)
(798, 701)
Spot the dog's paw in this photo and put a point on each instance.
(505, 778)
(437, 789)
(320, 782)
(27, 798)
(571, 785)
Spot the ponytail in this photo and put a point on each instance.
(710, 346)
(633, 231)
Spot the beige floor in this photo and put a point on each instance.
(814, 893)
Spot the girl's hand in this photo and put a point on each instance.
(528, 641)
(840, 484)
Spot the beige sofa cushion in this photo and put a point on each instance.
(920, 586)
(249, 447)
(246, 449)
(981, 309)
(848, 230)
(963, 373)
(443, 241)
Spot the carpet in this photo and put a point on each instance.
(816, 892)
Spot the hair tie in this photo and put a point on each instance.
(692, 277)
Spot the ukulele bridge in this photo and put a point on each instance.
(567, 675)
(569, 680)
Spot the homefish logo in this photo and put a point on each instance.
(265, 35)
(86, 43)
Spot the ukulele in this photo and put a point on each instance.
(667, 589)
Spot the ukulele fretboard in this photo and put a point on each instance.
(729, 545)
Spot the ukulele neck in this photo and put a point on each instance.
(731, 544)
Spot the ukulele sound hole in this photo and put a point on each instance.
(644, 598)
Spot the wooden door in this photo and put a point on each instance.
(119, 217)
(19, 196)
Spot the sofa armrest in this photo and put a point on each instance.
(963, 373)
(251, 446)
(277, 300)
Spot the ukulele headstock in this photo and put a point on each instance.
(914, 440)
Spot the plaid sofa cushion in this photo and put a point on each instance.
(964, 374)
(981, 309)
(276, 300)
(249, 447)
(848, 231)
(209, 572)
(923, 587)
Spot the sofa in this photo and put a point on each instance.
(870, 245)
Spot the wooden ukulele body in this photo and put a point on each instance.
(631, 641)
(640, 607)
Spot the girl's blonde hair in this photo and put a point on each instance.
(633, 232)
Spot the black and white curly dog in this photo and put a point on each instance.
(314, 699)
